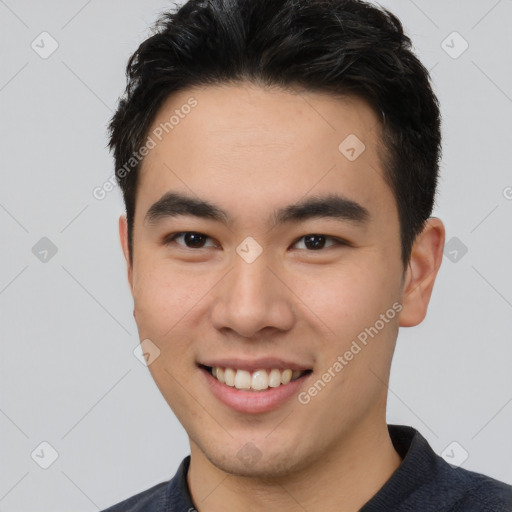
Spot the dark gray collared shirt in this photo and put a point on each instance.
(423, 482)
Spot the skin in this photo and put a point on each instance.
(251, 150)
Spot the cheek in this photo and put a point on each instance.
(346, 298)
(163, 297)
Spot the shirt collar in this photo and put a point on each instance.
(418, 465)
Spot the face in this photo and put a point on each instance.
(288, 260)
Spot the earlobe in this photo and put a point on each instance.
(123, 236)
(425, 261)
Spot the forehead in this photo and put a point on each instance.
(246, 146)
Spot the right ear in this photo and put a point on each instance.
(123, 236)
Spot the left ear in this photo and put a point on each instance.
(424, 263)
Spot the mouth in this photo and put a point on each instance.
(259, 380)
(254, 390)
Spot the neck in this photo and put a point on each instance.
(342, 480)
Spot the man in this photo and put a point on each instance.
(279, 161)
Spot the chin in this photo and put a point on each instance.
(250, 461)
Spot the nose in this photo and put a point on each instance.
(253, 297)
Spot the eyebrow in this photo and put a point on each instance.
(173, 204)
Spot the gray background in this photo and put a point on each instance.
(68, 373)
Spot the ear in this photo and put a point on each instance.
(123, 236)
(426, 258)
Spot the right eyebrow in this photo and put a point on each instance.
(173, 204)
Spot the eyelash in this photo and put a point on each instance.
(338, 241)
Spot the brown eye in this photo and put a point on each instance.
(191, 239)
(315, 242)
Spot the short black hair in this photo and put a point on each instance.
(341, 47)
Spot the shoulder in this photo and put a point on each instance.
(426, 481)
(480, 493)
(150, 500)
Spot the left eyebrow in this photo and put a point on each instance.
(330, 206)
(173, 204)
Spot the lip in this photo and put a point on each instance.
(255, 364)
(253, 402)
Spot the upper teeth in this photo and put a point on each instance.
(258, 380)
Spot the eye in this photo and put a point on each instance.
(195, 240)
(316, 242)
(191, 239)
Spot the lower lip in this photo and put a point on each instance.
(253, 402)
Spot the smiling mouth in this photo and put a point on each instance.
(259, 380)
